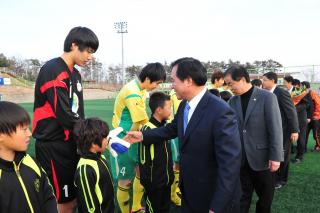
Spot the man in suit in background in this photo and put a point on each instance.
(210, 148)
(288, 83)
(304, 107)
(290, 125)
(260, 130)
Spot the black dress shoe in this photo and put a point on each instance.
(278, 186)
(296, 161)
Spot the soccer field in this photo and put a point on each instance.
(302, 194)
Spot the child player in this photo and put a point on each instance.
(130, 114)
(156, 169)
(93, 180)
(24, 186)
(58, 105)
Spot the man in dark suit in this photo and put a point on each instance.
(290, 125)
(210, 145)
(260, 130)
(304, 108)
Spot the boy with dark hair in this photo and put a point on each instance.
(58, 106)
(156, 167)
(130, 114)
(257, 82)
(22, 180)
(93, 180)
(225, 95)
(214, 92)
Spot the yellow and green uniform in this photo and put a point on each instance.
(174, 142)
(94, 184)
(130, 114)
(24, 187)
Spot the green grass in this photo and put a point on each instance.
(93, 108)
(302, 194)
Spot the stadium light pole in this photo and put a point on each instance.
(121, 28)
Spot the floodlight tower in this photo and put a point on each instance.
(121, 28)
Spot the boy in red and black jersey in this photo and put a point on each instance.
(58, 106)
(58, 101)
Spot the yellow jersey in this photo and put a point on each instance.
(130, 107)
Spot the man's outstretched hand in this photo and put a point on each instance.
(133, 137)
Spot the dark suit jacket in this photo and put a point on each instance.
(210, 155)
(261, 129)
(288, 113)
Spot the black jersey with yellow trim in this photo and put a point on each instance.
(24, 186)
(94, 186)
(155, 160)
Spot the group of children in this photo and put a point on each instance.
(70, 148)
(22, 178)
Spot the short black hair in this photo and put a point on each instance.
(157, 99)
(216, 75)
(153, 71)
(193, 68)
(215, 92)
(256, 82)
(271, 76)
(88, 132)
(306, 84)
(237, 72)
(296, 82)
(12, 116)
(288, 79)
(83, 37)
(225, 95)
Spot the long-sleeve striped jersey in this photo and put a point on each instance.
(24, 187)
(58, 101)
(94, 185)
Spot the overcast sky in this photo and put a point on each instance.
(163, 30)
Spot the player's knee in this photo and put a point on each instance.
(125, 183)
(68, 207)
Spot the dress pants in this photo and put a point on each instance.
(262, 182)
(283, 171)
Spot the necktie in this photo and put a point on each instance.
(185, 117)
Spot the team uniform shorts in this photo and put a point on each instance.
(59, 159)
(123, 166)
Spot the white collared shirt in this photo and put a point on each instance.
(273, 88)
(193, 103)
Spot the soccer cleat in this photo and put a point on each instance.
(116, 144)
(296, 161)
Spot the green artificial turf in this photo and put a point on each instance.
(302, 194)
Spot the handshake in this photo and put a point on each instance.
(119, 146)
